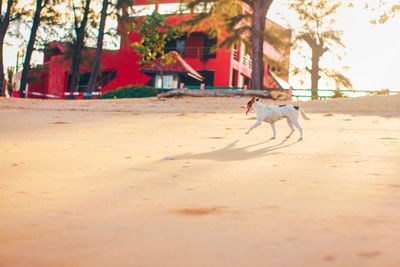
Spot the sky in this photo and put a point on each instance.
(372, 51)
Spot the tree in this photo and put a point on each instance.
(391, 11)
(119, 13)
(78, 43)
(316, 18)
(239, 25)
(154, 33)
(99, 49)
(37, 18)
(5, 19)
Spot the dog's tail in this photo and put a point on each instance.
(303, 114)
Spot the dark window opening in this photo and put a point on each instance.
(177, 45)
(246, 81)
(234, 78)
(209, 48)
(208, 79)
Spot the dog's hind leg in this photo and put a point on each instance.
(258, 122)
(273, 130)
(290, 123)
(296, 123)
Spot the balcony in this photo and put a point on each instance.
(247, 61)
(202, 52)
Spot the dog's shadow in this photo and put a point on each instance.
(232, 152)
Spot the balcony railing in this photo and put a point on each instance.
(247, 61)
(235, 54)
(202, 52)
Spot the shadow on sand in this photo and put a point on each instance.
(232, 152)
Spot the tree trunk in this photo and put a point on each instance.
(29, 50)
(4, 22)
(260, 10)
(77, 53)
(215, 93)
(99, 49)
(318, 50)
(314, 76)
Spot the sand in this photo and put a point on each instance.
(176, 182)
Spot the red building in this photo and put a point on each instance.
(223, 68)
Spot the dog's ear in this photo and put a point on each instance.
(257, 99)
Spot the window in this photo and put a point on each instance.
(234, 78)
(209, 43)
(177, 45)
(166, 81)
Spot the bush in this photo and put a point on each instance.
(381, 92)
(134, 91)
(338, 94)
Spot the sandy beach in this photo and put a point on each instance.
(176, 182)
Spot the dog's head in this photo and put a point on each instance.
(250, 104)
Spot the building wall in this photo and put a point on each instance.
(124, 61)
(58, 75)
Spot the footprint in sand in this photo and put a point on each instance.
(60, 122)
(329, 257)
(196, 211)
(387, 138)
(369, 254)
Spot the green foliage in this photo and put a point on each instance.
(385, 10)
(242, 21)
(381, 92)
(338, 94)
(154, 33)
(134, 91)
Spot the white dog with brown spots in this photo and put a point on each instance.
(272, 114)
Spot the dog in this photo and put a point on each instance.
(272, 114)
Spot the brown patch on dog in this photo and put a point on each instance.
(196, 211)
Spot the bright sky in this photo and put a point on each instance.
(373, 51)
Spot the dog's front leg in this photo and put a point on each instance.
(258, 122)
